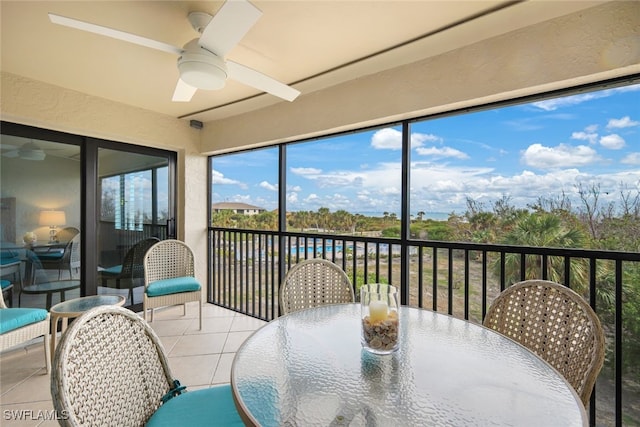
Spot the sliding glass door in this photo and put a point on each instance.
(76, 212)
(133, 212)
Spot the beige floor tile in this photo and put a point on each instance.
(170, 327)
(223, 370)
(210, 325)
(169, 342)
(235, 340)
(39, 413)
(194, 370)
(34, 388)
(246, 323)
(198, 344)
(210, 310)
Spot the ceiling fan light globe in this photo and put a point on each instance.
(202, 70)
(36, 155)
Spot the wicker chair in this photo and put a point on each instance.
(131, 268)
(67, 259)
(314, 282)
(169, 272)
(555, 323)
(110, 369)
(20, 325)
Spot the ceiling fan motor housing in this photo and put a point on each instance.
(200, 68)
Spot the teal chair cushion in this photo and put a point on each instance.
(173, 286)
(9, 260)
(112, 271)
(205, 407)
(4, 283)
(51, 256)
(14, 318)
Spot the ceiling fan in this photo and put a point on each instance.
(28, 151)
(201, 61)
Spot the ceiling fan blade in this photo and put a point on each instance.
(256, 79)
(183, 92)
(115, 34)
(227, 27)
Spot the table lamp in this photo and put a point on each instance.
(52, 219)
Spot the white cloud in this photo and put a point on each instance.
(624, 122)
(585, 136)
(539, 156)
(631, 159)
(306, 171)
(612, 142)
(554, 104)
(391, 139)
(568, 101)
(219, 179)
(442, 152)
(387, 139)
(267, 186)
(292, 197)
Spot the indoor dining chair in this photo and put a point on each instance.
(557, 324)
(110, 369)
(169, 277)
(66, 258)
(312, 283)
(125, 275)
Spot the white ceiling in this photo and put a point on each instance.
(308, 44)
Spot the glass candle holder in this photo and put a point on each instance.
(380, 319)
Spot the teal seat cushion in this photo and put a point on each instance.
(112, 271)
(205, 407)
(173, 286)
(50, 256)
(4, 284)
(9, 260)
(14, 318)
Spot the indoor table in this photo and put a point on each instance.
(308, 368)
(49, 288)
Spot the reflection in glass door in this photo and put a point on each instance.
(40, 221)
(133, 213)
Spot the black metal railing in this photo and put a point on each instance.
(461, 279)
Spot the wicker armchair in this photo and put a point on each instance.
(169, 272)
(110, 369)
(555, 323)
(314, 282)
(131, 269)
(20, 325)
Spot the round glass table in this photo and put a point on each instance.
(308, 368)
(76, 307)
(52, 287)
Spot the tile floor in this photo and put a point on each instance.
(198, 358)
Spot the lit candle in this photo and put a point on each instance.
(378, 311)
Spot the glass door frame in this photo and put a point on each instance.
(89, 196)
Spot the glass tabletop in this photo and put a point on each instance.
(80, 305)
(56, 286)
(308, 368)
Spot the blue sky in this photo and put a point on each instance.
(522, 152)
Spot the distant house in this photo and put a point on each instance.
(238, 208)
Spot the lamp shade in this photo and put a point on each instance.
(52, 218)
